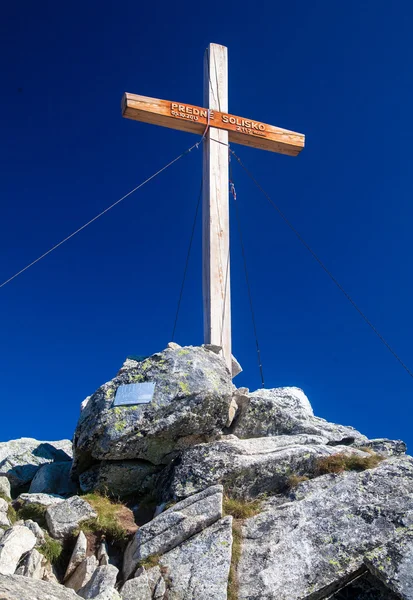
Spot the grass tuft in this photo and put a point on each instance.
(11, 514)
(337, 463)
(108, 520)
(35, 512)
(241, 509)
(51, 549)
(151, 561)
(4, 497)
(294, 480)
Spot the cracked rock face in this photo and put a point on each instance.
(311, 545)
(346, 536)
(364, 587)
(249, 467)
(287, 411)
(120, 478)
(199, 568)
(192, 396)
(174, 526)
(393, 564)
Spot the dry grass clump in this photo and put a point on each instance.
(294, 480)
(110, 521)
(34, 512)
(241, 509)
(337, 463)
(51, 549)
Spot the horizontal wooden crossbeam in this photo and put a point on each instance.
(194, 119)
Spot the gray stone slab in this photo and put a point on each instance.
(173, 527)
(16, 541)
(392, 564)
(199, 568)
(102, 580)
(63, 518)
(17, 587)
(313, 543)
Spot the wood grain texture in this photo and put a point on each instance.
(215, 209)
(194, 119)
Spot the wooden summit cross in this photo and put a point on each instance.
(218, 128)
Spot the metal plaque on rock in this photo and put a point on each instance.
(134, 393)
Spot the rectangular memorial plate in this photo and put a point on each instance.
(134, 393)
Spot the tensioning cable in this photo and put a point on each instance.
(254, 323)
(100, 214)
(322, 265)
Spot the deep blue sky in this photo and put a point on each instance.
(339, 72)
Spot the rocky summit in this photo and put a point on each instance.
(204, 491)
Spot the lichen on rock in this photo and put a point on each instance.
(207, 492)
(192, 396)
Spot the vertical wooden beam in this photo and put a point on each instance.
(215, 246)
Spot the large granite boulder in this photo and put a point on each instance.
(192, 395)
(18, 587)
(287, 411)
(13, 545)
(54, 478)
(64, 518)
(174, 526)
(120, 478)
(199, 568)
(20, 459)
(247, 468)
(316, 541)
